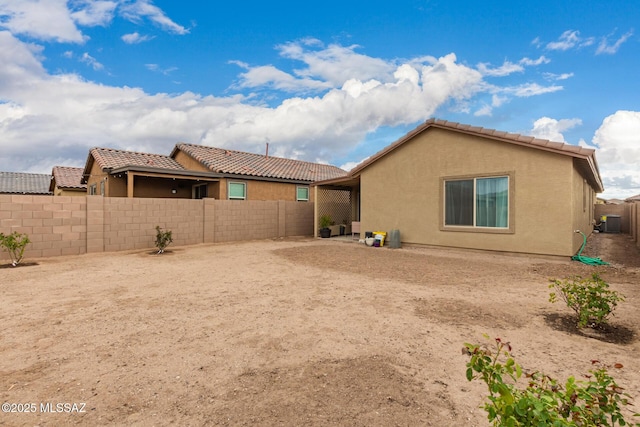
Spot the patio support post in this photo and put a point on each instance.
(130, 177)
(315, 212)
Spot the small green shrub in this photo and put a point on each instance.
(596, 401)
(590, 298)
(163, 238)
(325, 221)
(14, 243)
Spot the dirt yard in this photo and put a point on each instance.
(292, 332)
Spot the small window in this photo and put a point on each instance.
(92, 189)
(102, 188)
(237, 191)
(302, 194)
(200, 191)
(477, 202)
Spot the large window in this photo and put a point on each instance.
(302, 194)
(237, 191)
(477, 202)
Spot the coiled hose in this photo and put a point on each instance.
(585, 259)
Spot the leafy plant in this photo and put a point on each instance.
(15, 243)
(163, 238)
(590, 298)
(595, 401)
(325, 221)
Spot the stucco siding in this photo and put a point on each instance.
(403, 190)
(189, 162)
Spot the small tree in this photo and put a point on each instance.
(596, 401)
(14, 243)
(163, 238)
(590, 298)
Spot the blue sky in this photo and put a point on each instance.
(330, 82)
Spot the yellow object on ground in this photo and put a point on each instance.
(380, 235)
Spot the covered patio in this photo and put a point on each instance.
(339, 198)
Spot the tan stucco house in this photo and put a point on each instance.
(67, 181)
(196, 172)
(454, 185)
(250, 176)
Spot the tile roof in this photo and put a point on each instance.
(109, 158)
(24, 183)
(68, 177)
(233, 162)
(585, 156)
(635, 198)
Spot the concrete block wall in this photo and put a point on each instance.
(245, 220)
(624, 210)
(65, 225)
(299, 219)
(131, 223)
(55, 225)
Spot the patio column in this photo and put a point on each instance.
(315, 212)
(130, 177)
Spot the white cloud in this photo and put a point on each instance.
(335, 64)
(140, 9)
(605, 47)
(504, 70)
(569, 40)
(93, 13)
(91, 61)
(619, 154)
(135, 38)
(535, 62)
(63, 115)
(268, 76)
(552, 76)
(617, 138)
(58, 20)
(509, 67)
(40, 19)
(529, 89)
(551, 129)
(485, 110)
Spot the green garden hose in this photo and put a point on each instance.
(585, 259)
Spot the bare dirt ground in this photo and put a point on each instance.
(292, 332)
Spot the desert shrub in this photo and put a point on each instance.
(590, 298)
(14, 243)
(595, 401)
(163, 238)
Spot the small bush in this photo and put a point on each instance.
(590, 298)
(163, 238)
(14, 243)
(596, 401)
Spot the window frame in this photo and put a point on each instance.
(244, 185)
(510, 229)
(302, 187)
(93, 188)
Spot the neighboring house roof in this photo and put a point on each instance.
(586, 161)
(231, 162)
(24, 183)
(635, 198)
(109, 159)
(614, 202)
(67, 178)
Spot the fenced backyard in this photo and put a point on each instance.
(293, 332)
